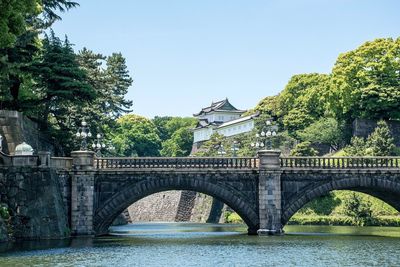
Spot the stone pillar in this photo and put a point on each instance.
(269, 193)
(82, 193)
(44, 158)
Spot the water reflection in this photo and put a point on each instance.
(188, 244)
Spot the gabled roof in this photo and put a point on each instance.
(203, 123)
(239, 120)
(222, 105)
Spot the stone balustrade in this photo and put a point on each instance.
(177, 162)
(340, 162)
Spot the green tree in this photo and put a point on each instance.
(211, 146)
(357, 207)
(356, 147)
(381, 141)
(367, 81)
(297, 119)
(268, 105)
(324, 131)
(167, 125)
(61, 81)
(303, 149)
(136, 136)
(13, 16)
(110, 86)
(307, 92)
(15, 60)
(118, 82)
(179, 145)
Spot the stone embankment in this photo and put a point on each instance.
(36, 203)
(176, 206)
(3, 231)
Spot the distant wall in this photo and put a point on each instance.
(161, 206)
(172, 206)
(17, 128)
(364, 127)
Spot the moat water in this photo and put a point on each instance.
(188, 244)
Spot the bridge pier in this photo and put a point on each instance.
(269, 192)
(82, 193)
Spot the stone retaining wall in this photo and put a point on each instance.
(177, 206)
(3, 231)
(35, 201)
(17, 128)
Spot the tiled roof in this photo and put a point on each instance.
(238, 120)
(222, 105)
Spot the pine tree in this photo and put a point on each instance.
(118, 81)
(62, 82)
(303, 149)
(357, 147)
(381, 141)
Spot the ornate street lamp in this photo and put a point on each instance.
(221, 150)
(263, 139)
(98, 144)
(235, 148)
(83, 133)
(1, 143)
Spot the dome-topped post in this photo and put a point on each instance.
(23, 149)
(23, 156)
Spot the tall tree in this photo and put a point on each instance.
(16, 59)
(367, 81)
(381, 141)
(62, 89)
(13, 16)
(118, 83)
(303, 100)
(324, 131)
(136, 136)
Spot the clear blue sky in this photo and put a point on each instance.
(184, 54)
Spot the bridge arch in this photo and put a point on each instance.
(383, 188)
(134, 191)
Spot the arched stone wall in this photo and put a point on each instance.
(131, 192)
(380, 186)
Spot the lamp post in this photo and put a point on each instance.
(235, 148)
(263, 139)
(221, 150)
(98, 144)
(83, 133)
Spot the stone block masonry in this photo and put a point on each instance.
(34, 199)
(17, 128)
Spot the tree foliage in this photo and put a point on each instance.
(367, 81)
(61, 81)
(303, 149)
(380, 142)
(13, 16)
(136, 136)
(357, 207)
(323, 131)
(176, 134)
(179, 145)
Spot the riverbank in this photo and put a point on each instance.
(337, 220)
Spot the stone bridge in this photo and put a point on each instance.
(265, 190)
